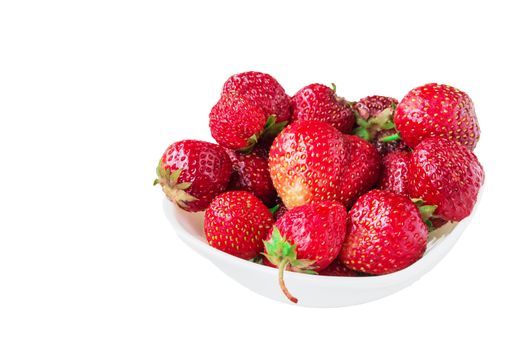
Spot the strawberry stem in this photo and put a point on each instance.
(394, 137)
(284, 263)
(274, 209)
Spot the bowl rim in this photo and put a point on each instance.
(419, 267)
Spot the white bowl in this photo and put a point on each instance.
(313, 290)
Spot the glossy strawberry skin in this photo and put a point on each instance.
(362, 169)
(234, 120)
(251, 174)
(394, 172)
(236, 223)
(261, 89)
(435, 110)
(385, 234)
(320, 102)
(446, 174)
(307, 161)
(317, 230)
(205, 166)
(311, 161)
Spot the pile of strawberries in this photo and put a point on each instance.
(314, 183)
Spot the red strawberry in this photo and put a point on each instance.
(362, 169)
(310, 161)
(443, 173)
(237, 123)
(394, 172)
(374, 116)
(192, 173)
(251, 174)
(306, 239)
(385, 234)
(337, 268)
(263, 90)
(307, 162)
(437, 110)
(320, 102)
(236, 223)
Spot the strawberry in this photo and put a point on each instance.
(307, 162)
(374, 116)
(311, 161)
(236, 223)
(320, 102)
(263, 90)
(385, 234)
(253, 107)
(441, 172)
(373, 106)
(337, 268)
(238, 123)
(191, 173)
(251, 174)
(306, 239)
(437, 110)
(362, 168)
(394, 172)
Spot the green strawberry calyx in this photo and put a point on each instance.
(427, 212)
(369, 126)
(281, 253)
(270, 130)
(174, 190)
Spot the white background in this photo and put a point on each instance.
(92, 92)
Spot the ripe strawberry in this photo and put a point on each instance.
(374, 116)
(385, 234)
(306, 239)
(443, 173)
(263, 90)
(236, 223)
(437, 110)
(320, 102)
(251, 174)
(311, 161)
(337, 268)
(191, 173)
(237, 123)
(362, 168)
(307, 163)
(394, 172)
